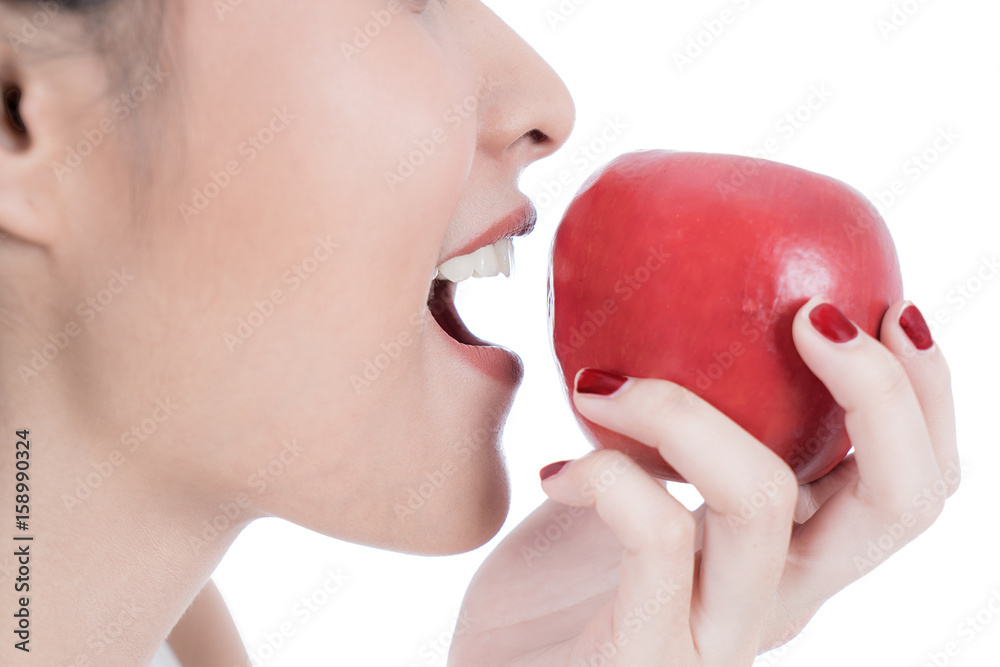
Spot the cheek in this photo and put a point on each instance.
(314, 255)
(374, 155)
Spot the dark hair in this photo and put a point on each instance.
(74, 5)
(127, 31)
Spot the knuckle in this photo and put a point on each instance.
(603, 468)
(889, 379)
(786, 498)
(667, 397)
(674, 534)
(887, 503)
(609, 459)
(770, 503)
(916, 509)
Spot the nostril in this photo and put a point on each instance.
(11, 103)
(538, 136)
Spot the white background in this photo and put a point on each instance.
(891, 94)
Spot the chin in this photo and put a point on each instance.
(464, 514)
(472, 529)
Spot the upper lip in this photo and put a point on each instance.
(518, 222)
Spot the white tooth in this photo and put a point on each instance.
(505, 256)
(457, 269)
(484, 264)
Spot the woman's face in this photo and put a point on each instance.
(262, 338)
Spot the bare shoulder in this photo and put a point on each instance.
(206, 635)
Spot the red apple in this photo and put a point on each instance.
(690, 266)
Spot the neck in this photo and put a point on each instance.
(118, 551)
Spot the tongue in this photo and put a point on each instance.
(442, 305)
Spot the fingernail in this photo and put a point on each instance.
(598, 383)
(832, 323)
(551, 469)
(912, 321)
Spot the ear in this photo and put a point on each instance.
(29, 187)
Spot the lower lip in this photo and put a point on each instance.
(492, 360)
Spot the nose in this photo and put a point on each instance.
(528, 112)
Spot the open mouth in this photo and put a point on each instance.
(441, 303)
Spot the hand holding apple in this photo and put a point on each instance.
(613, 568)
(690, 267)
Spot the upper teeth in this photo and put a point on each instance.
(482, 263)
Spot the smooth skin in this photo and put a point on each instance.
(636, 579)
(205, 636)
(308, 210)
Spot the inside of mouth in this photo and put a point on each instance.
(441, 302)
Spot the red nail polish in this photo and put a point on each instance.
(551, 469)
(600, 383)
(832, 323)
(912, 321)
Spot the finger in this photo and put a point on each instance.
(743, 552)
(814, 494)
(652, 607)
(887, 504)
(906, 334)
(883, 418)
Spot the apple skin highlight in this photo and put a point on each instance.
(690, 267)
